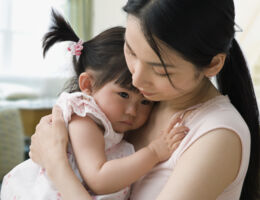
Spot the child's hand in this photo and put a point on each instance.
(168, 140)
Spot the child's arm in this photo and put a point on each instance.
(104, 176)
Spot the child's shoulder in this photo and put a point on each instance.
(82, 105)
(76, 97)
(85, 123)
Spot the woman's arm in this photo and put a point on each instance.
(48, 149)
(66, 182)
(104, 176)
(206, 168)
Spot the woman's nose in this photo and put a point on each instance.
(139, 75)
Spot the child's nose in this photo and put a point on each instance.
(131, 110)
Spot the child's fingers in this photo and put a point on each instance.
(173, 122)
(174, 142)
(180, 129)
(176, 137)
(174, 146)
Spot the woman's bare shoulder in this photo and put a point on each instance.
(207, 167)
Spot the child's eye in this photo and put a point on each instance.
(146, 102)
(123, 95)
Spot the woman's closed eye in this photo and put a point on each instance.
(129, 52)
(124, 95)
(160, 72)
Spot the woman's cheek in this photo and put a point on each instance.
(146, 111)
(130, 63)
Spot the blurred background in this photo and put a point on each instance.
(30, 84)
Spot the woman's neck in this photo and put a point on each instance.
(205, 91)
(164, 110)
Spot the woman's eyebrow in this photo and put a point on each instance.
(154, 64)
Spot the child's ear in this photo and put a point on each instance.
(215, 65)
(86, 82)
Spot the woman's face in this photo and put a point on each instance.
(148, 73)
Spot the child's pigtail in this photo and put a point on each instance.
(59, 31)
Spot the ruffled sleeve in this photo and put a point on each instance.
(84, 105)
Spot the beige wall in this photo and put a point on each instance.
(248, 18)
(108, 13)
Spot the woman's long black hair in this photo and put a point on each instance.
(199, 30)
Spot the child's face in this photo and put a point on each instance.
(125, 109)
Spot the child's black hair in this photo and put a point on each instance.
(103, 54)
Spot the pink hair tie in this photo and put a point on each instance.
(75, 48)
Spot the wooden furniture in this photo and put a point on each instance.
(30, 118)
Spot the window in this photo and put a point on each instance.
(22, 26)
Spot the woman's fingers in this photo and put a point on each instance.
(57, 115)
(50, 139)
(30, 154)
(47, 118)
(59, 125)
(43, 120)
(33, 146)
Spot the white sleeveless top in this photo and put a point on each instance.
(215, 113)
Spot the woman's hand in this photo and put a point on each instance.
(49, 142)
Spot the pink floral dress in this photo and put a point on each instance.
(28, 181)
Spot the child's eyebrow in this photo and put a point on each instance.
(129, 88)
(154, 64)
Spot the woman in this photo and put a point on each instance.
(173, 48)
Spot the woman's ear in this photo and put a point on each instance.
(86, 82)
(215, 65)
